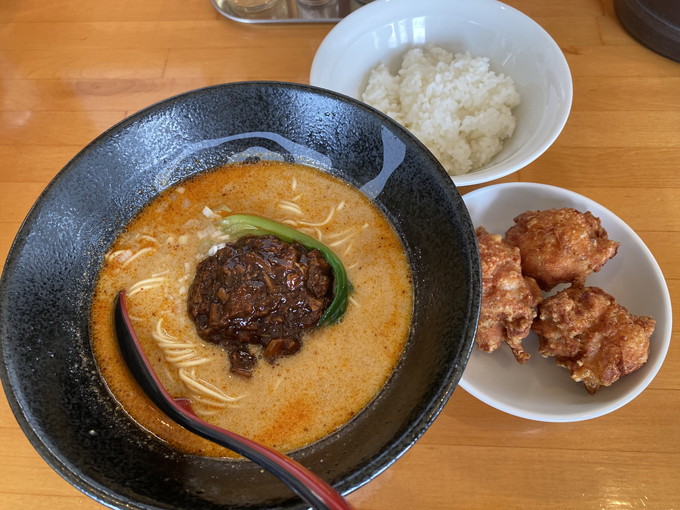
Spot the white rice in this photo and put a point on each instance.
(455, 105)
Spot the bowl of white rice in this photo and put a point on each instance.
(482, 85)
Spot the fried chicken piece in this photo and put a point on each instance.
(509, 299)
(592, 335)
(560, 245)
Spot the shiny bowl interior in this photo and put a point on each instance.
(48, 372)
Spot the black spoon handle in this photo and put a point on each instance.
(315, 491)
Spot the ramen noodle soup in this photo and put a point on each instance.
(290, 401)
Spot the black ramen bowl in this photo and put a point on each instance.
(48, 371)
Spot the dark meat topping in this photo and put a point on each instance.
(259, 290)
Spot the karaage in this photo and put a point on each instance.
(592, 335)
(509, 299)
(560, 245)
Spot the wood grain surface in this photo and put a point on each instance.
(69, 69)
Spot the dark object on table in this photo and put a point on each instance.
(46, 363)
(655, 23)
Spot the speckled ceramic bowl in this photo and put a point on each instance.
(48, 371)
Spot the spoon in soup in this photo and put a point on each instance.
(312, 489)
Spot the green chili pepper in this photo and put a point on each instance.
(238, 225)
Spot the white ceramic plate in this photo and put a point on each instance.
(539, 389)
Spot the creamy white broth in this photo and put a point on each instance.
(297, 399)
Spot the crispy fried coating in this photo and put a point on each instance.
(592, 335)
(560, 245)
(509, 299)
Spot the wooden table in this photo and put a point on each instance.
(69, 69)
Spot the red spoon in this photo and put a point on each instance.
(312, 489)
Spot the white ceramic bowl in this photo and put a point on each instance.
(384, 30)
(539, 389)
